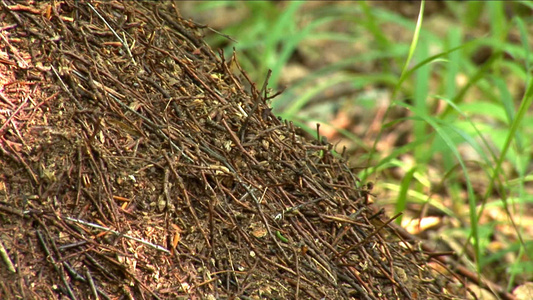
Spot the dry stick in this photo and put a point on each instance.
(296, 256)
(96, 205)
(296, 283)
(358, 288)
(66, 89)
(80, 174)
(326, 278)
(314, 251)
(368, 237)
(257, 202)
(74, 232)
(14, 114)
(237, 142)
(94, 262)
(191, 38)
(124, 44)
(355, 273)
(263, 258)
(91, 283)
(295, 208)
(152, 125)
(5, 257)
(127, 272)
(56, 265)
(394, 279)
(21, 63)
(107, 186)
(189, 72)
(248, 275)
(157, 247)
(391, 274)
(98, 171)
(186, 196)
(211, 212)
(225, 67)
(257, 99)
(17, 158)
(12, 210)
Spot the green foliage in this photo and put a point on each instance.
(488, 115)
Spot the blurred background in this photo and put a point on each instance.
(431, 102)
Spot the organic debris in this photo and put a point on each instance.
(136, 164)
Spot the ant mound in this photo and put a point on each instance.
(135, 164)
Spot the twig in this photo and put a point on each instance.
(14, 113)
(124, 44)
(295, 208)
(257, 100)
(17, 158)
(368, 237)
(54, 263)
(152, 125)
(91, 283)
(6, 258)
(185, 193)
(157, 247)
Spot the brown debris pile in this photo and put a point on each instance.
(134, 163)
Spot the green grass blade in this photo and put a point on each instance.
(412, 48)
(471, 197)
(401, 202)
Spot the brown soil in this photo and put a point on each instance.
(135, 164)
